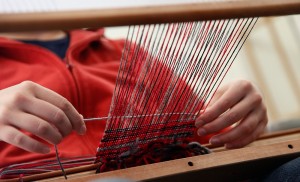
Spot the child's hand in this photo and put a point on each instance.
(237, 103)
(38, 110)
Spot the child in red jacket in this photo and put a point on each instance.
(44, 96)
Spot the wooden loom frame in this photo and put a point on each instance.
(283, 146)
(263, 155)
(146, 15)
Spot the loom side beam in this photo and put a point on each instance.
(266, 153)
(65, 20)
(239, 164)
(232, 165)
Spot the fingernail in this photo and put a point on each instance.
(81, 116)
(214, 141)
(82, 130)
(201, 132)
(201, 111)
(46, 150)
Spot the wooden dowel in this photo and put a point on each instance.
(147, 15)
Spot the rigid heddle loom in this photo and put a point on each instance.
(169, 71)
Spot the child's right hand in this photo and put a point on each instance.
(38, 110)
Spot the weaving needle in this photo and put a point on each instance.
(95, 119)
(136, 116)
(61, 166)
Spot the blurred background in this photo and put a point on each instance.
(270, 58)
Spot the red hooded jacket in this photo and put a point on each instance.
(86, 77)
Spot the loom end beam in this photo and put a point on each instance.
(65, 20)
(232, 165)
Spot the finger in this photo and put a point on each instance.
(219, 92)
(50, 113)
(235, 114)
(227, 100)
(62, 103)
(246, 127)
(37, 127)
(248, 139)
(13, 136)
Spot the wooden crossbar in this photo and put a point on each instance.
(63, 20)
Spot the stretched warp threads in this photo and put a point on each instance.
(168, 73)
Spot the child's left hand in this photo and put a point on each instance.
(237, 103)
